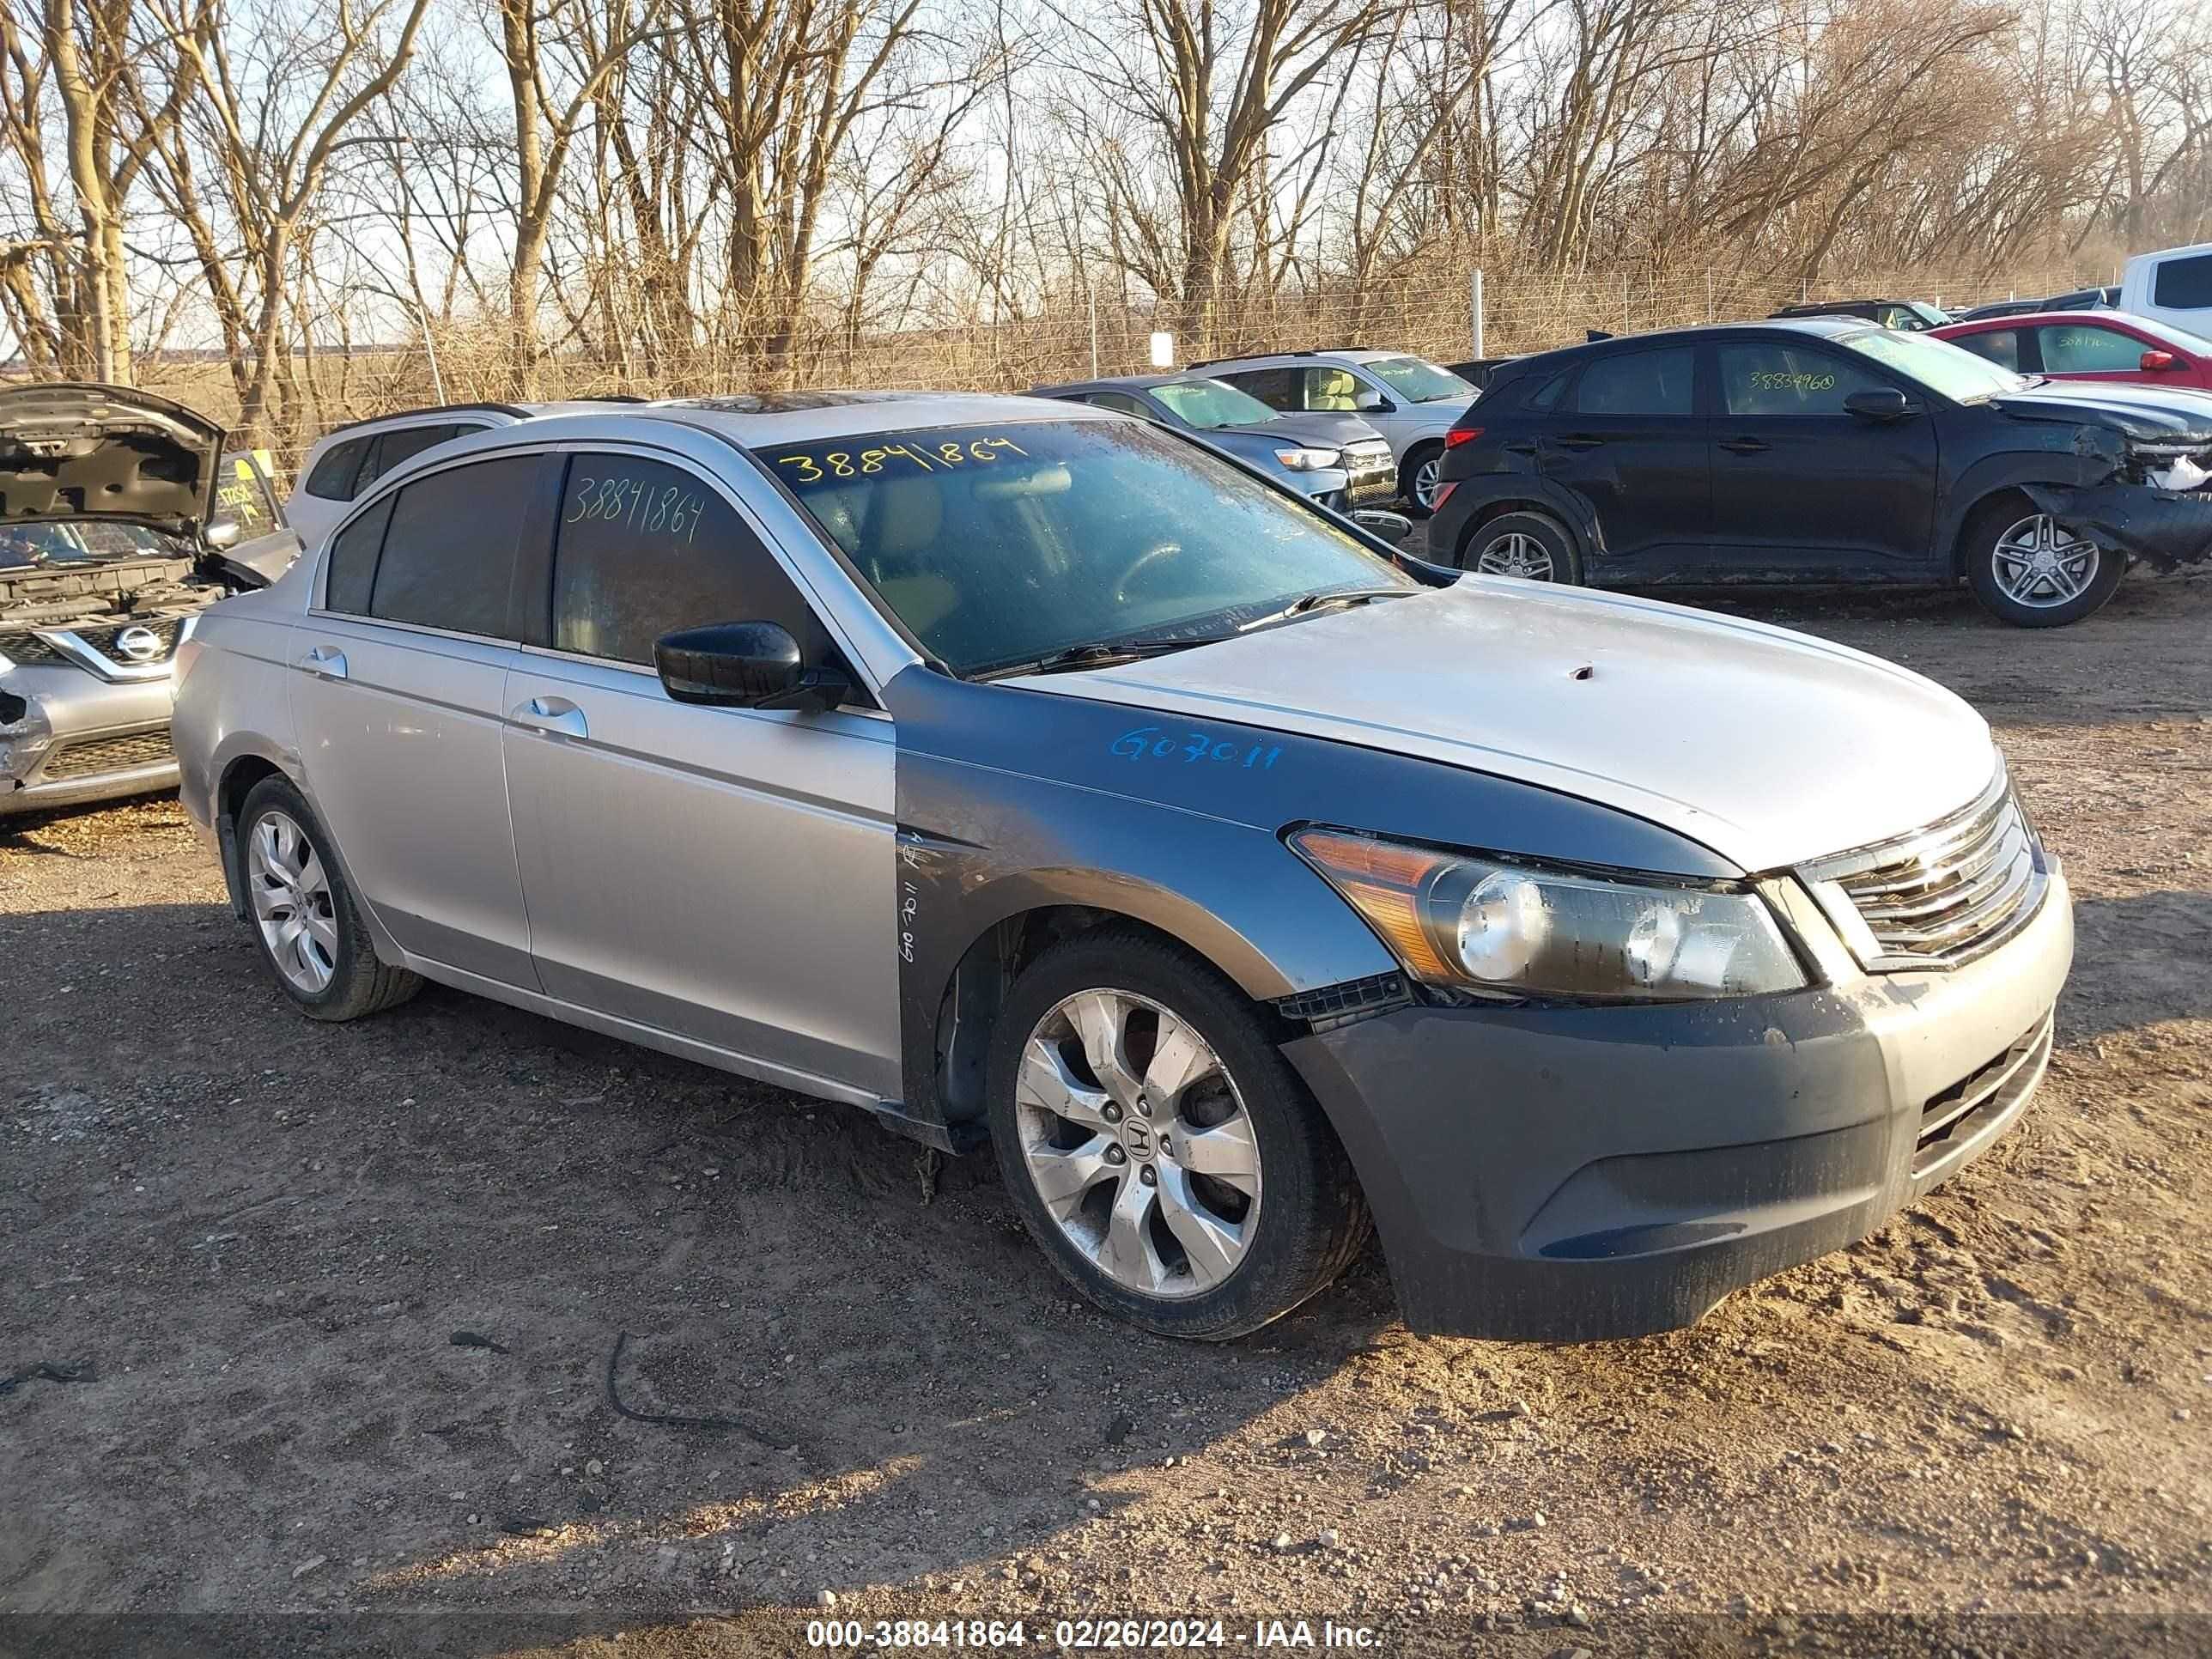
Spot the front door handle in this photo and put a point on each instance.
(325, 662)
(557, 717)
(1745, 445)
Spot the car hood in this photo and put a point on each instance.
(80, 453)
(2151, 414)
(1316, 426)
(1769, 747)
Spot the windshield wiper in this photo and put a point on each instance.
(1096, 653)
(1323, 598)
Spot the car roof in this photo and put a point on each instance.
(2103, 318)
(1821, 327)
(497, 411)
(1118, 383)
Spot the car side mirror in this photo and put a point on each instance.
(745, 664)
(2156, 362)
(1392, 528)
(223, 534)
(1880, 402)
(1379, 405)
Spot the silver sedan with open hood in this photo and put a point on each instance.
(1046, 781)
(121, 521)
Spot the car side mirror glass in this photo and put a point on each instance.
(1880, 402)
(2155, 361)
(1392, 528)
(745, 664)
(224, 533)
(1374, 403)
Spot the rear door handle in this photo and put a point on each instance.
(325, 662)
(1745, 445)
(557, 717)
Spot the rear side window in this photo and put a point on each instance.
(1779, 379)
(1546, 398)
(353, 560)
(1999, 345)
(404, 444)
(449, 552)
(2078, 349)
(1639, 383)
(333, 475)
(2184, 284)
(645, 549)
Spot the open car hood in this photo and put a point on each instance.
(74, 451)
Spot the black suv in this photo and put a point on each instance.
(1910, 315)
(1821, 451)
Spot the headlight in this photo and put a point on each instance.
(1309, 460)
(1514, 931)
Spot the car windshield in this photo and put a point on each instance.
(1936, 364)
(78, 542)
(1207, 404)
(1000, 545)
(1419, 382)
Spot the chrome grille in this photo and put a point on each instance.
(81, 760)
(1940, 895)
(28, 648)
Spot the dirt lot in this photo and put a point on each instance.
(264, 1235)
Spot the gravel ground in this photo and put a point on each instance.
(285, 1250)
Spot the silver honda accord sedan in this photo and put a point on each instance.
(1037, 778)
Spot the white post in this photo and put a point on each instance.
(1475, 301)
(1091, 295)
(1709, 296)
(1625, 329)
(430, 345)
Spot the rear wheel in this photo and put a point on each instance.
(2028, 569)
(1161, 1150)
(1534, 546)
(304, 919)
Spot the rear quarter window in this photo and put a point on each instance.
(332, 477)
(2184, 284)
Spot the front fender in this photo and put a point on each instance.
(2068, 456)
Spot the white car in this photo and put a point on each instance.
(1411, 401)
(348, 458)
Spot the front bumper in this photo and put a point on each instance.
(1572, 1174)
(79, 739)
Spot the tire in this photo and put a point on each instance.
(1268, 1236)
(1534, 546)
(328, 968)
(1418, 496)
(2022, 564)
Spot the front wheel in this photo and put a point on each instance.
(1421, 476)
(1161, 1150)
(2028, 569)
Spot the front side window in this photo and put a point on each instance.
(332, 478)
(1768, 380)
(1417, 382)
(450, 547)
(1002, 544)
(1121, 403)
(2184, 284)
(1277, 388)
(1998, 346)
(1210, 405)
(2080, 348)
(404, 444)
(644, 549)
(1639, 383)
(1335, 391)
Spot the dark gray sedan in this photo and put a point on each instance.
(1294, 445)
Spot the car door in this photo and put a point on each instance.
(399, 672)
(725, 875)
(1801, 487)
(1627, 438)
(265, 545)
(2096, 352)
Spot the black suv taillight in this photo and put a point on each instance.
(1461, 434)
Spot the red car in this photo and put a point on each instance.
(2088, 345)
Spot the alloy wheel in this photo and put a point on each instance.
(292, 902)
(2039, 565)
(1516, 555)
(1426, 476)
(1136, 1138)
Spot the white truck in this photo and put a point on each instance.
(2174, 285)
